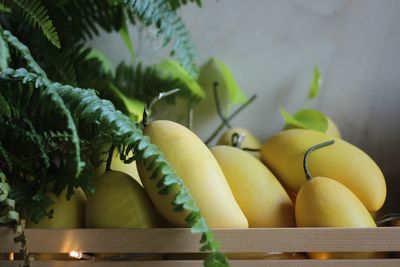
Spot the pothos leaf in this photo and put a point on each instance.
(315, 84)
(169, 69)
(126, 38)
(306, 119)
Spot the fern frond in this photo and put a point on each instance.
(4, 8)
(144, 83)
(171, 27)
(175, 4)
(25, 53)
(36, 14)
(4, 54)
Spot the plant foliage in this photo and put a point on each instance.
(51, 133)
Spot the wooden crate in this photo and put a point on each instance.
(160, 244)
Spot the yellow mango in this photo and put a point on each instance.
(261, 197)
(118, 165)
(199, 170)
(324, 202)
(68, 214)
(119, 202)
(283, 154)
(333, 129)
(250, 140)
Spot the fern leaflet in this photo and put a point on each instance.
(171, 27)
(37, 15)
(175, 4)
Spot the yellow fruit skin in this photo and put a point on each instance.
(196, 166)
(283, 153)
(250, 141)
(119, 202)
(333, 129)
(118, 165)
(324, 202)
(67, 214)
(261, 197)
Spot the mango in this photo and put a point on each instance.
(119, 202)
(283, 154)
(68, 214)
(199, 170)
(118, 165)
(261, 197)
(324, 202)
(250, 140)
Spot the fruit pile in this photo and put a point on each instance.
(299, 177)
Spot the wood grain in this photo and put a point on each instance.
(178, 240)
(248, 263)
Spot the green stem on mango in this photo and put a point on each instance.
(308, 152)
(236, 112)
(149, 106)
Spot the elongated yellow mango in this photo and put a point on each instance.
(261, 197)
(324, 202)
(283, 153)
(199, 170)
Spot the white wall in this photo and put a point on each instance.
(271, 47)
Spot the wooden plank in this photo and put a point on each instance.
(247, 263)
(183, 241)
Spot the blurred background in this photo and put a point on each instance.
(271, 47)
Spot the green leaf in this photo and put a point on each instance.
(307, 119)
(133, 106)
(200, 226)
(290, 120)
(37, 15)
(216, 71)
(4, 54)
(315, 84)
(169, 69)
(171, 28)
(126, 38)
(106, 65)
(216, 259)
(4, 8)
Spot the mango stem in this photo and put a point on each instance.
(308, 152)
(149, 106)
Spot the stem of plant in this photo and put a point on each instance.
(308, 152)
(147, 109)
(222, 125)
(218, 105)
(109, 158)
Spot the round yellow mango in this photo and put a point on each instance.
(250, 140)
(119, 202)
(261, 197)
(68, 214)
(199, 170)
(283, 154)
(324, 202)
